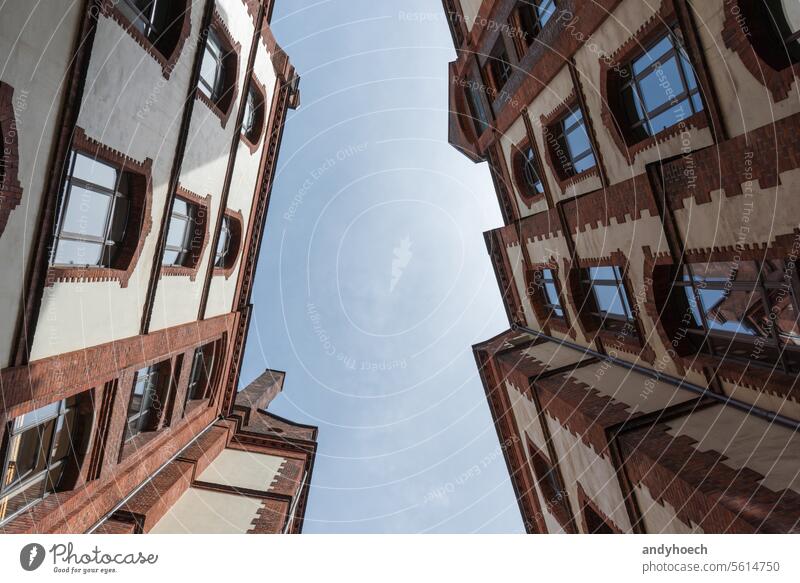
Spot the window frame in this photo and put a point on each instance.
(608, 320)
(60, 423)
(561, 138)
(143, 416)
(706, 336)
(191, 224)
(548, 477)
(521, 162)
(106, 258)
(636, 103)
(526, 22)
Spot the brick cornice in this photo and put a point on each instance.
(738, 39)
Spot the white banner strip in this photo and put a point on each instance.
(401, 558)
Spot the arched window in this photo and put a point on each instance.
(528, 18)
(228, 244)
(94, 214)
(253, 119)
(160, 26)
(570, 147)
(773, 28)
(219, 70)
(658, 89)
(186, 234)
(527, 171)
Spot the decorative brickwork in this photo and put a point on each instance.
(10, 188)
(171, 41)
(747, 34)
(224, 105)
(234, 245)
(197, 247)
(611, 82)
(140, 220)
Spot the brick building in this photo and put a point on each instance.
(646, 158)
(139, 146)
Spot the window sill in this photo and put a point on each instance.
(223, 115)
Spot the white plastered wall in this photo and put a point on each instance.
(203, 172)
(130, 107)
(40, 39)
(244, 187)
(745, 103)
(625, 21)
(581, 464)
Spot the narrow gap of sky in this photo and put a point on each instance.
(374, 280)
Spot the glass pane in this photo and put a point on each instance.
(661, 85)
(208, 72)
(652, 55)
(552, 294)
(38, 416)
(734, 312)
(62, 440)
(688, 72)
(119, 221)
(545, 9)
(584, 164)
(180, 207)
(577, 140)
(170, 257)
(22, 498)
(176, 236)
(78, 253)
(609, 300)
(670, 117)
(603, 272)
(95, 172)
(23, 455)
(86, 212)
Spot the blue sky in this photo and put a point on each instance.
(374, 279)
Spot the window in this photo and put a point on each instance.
(212, 70)
(224, 243)
(545, 281)
(608, 300)
(218, 71)
(477, 110)
(94, 213)
(660, 89)
(553, 493)
(773, 28)
(572, 140)
(184, 236)
(527, 173)
(201, 374)
(145, 404)
(253, 114)
(497, 65)
(527, 21)
(159, 21)
(744, 310)
(38, 447)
